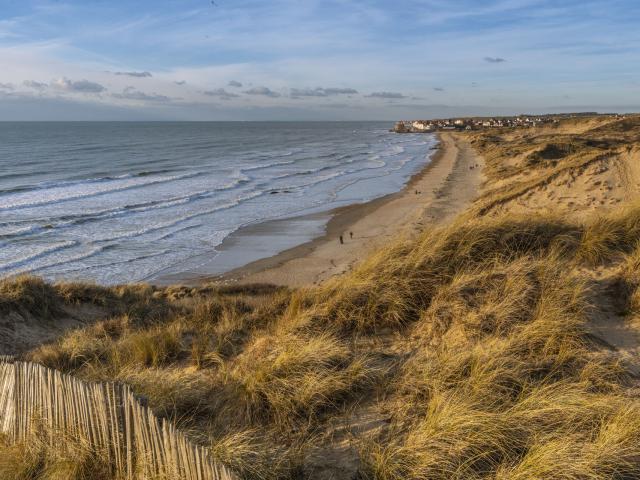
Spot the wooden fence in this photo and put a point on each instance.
(105, 416)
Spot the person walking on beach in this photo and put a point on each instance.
(341, 240)
(351, 235)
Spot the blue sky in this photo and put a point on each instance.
(315, 60)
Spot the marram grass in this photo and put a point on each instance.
(465, 353)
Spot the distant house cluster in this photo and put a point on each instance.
(478, 123)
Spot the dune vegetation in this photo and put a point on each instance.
(489, 348)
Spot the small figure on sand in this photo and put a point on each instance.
(351, 235)
(341, 240)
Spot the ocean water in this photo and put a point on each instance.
(120, 202)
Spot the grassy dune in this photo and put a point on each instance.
(466, 352)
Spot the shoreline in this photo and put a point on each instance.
(372, 223)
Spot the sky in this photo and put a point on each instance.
(315, 59)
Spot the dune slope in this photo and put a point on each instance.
(499, 346)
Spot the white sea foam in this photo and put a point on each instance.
(47, 196)
(128, 201)
(9, 260)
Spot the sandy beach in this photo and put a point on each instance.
(434, 195)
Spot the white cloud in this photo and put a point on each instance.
(220, 93)
(79, 86)
(34, 84)
(262, 91)
(130, 93)
(307, 92)
(388, 95)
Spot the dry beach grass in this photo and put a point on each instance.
(485, 348)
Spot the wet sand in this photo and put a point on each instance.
(447, 185)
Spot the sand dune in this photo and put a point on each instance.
(498, 339)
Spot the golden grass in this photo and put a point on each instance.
(69, 460)
(469, 346)
(614, 234)
(28, 294)
(471, 337)
(484, 391)
(292, 379)
(499, 366)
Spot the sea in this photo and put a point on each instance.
(116, 202)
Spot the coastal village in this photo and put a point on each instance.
(478, 123)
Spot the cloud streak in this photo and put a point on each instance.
(340, 91)
(220, 93)
(131, 93)
(134, 74)
(320, 92)
(262, 91)
(387, 95)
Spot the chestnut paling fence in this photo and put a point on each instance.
(105, 416)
